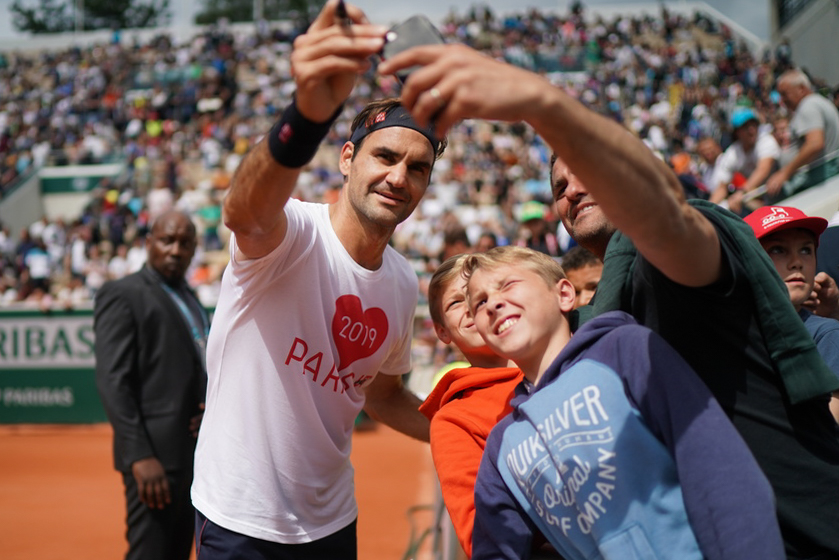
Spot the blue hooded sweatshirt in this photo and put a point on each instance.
(621, 452)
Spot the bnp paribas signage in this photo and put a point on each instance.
(47, 367)
(65, 342)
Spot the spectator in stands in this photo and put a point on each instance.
(486, 241)
(535, 232)
(54, 235)
(583, 269)
(96, 269)
(709, 150)
(790, 238)
(7, 250)
(780, 131)
(746, 163)
(159, 200)
(455, 242)
(8, 290)
(118, 264)
(466, 402)
(814, 131)
(210, 216)
(24, 244)
(73, 294)
(136, 255)
(36, 229)
(37, 263)
(80, 238)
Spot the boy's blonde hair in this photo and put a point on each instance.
(509, 255)
(445, 274)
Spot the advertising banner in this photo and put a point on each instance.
(47, 367)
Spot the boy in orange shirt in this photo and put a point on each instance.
(466, 402)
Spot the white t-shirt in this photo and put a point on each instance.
(735, 159)
(136, 257)
(708, 173)
(296, 337)
(38, 262)
(159, 201)
(815, 112)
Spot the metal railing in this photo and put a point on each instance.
(814, 173)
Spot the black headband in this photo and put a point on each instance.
(398, 116)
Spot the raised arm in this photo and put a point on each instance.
(760, 174)
(757, 178)
(810, 149)
(639, 194)
(325, 62)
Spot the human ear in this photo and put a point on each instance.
(345, 160)
(442, 334)
(567, 295)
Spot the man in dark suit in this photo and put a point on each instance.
(150, 337)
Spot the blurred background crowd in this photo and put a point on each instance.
(181, 116)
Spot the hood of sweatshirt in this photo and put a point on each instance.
(588, 334)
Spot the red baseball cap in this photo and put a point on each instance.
(769, 219)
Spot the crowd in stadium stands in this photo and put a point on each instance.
(182, 115)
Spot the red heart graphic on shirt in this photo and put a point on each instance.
(357, 333)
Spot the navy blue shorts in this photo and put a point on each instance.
(217, 543)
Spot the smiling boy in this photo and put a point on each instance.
(614, 445)
(466, 402)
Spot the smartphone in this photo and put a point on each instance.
(415, 31)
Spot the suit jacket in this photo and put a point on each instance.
(149, 373)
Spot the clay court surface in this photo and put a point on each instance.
(61, 499)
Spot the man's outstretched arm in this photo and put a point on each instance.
(809, 151)
(325, 63)
(637, 191)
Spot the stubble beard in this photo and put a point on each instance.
(378, 216)
(593, 236)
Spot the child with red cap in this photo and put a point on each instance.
(790, 238)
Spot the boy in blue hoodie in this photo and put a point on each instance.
(614, 448)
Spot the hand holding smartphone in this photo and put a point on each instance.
(415, 31)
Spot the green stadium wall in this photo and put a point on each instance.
(47, 368)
